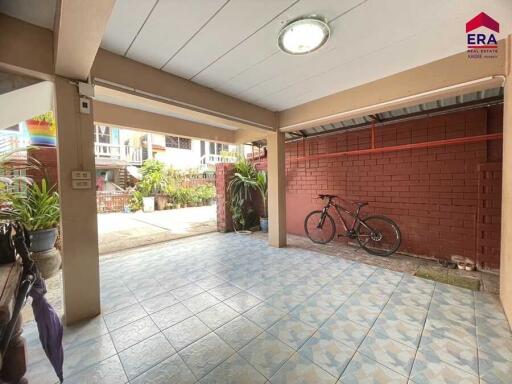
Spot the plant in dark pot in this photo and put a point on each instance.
(262, 187)
(39, 211)
(240, 187)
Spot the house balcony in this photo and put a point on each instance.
(207, 161)
(117, 154)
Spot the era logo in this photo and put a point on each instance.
(482, 40)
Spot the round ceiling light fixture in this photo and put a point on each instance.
(303, 35)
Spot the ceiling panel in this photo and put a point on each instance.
(232, 25)
(260, 82)
(263, 44)
(169, 26)
(125, 22)
(37, 12)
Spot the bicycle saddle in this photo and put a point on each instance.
(360, 203)
(323, 196)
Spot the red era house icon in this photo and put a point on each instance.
(482, 20)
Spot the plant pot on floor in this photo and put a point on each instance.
(42, 240)
(48, 262)
(148, 204)
(264, 224)
(161, 202)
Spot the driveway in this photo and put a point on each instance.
(119, 231)
(227, 308)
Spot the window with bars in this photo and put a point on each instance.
(178, 142)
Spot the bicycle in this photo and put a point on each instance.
(377, 235)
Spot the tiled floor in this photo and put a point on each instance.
(226, 308)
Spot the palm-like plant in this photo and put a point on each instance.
(240, 186)
(39, 208)
(262, 186)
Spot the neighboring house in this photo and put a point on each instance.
(117, 150)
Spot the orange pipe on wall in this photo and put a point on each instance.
(394, 148)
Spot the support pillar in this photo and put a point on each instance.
(506, 202)
(80, 260)
(276, 190)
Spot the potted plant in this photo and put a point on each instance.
(39, 211)
(240, 187)
(262, 187)
(153, 184)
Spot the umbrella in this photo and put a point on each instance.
(49, 326)
(48, 321)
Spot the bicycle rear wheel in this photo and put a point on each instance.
(378, 235)
(319, 227)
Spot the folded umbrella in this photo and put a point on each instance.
(49, 326)
(47, 319)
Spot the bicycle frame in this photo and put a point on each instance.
(356, 219)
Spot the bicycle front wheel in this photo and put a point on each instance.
(378, 235)
(319, 227)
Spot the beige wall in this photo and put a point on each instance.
(276, 190)
(110, 114)
(80, 260)
(506, 203)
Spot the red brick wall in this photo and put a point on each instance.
(431, 193)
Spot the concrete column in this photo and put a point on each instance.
(276, 190)
(506, 202)
(80, 261)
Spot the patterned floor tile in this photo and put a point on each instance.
(170, 371)
(266, 353)
(330, 354)
(358, 313)
(200, 302)
(238, 332)
(76, 333)
(217, 315)
(108, 371)
(401, 331)
(499, 345)
(300, 370)
(405, 313)
(87, 354)
(205, 354)
(416, 300)
(186, 332)
(284, 302)
(362, 370)
(311, 313)
(124, 316)
(452, 330)
(292, 331)
(224, 291)
(159, 302)
(133, 333)
(187, 291)
(428, 369)
(144, 355)
(169, 316)
(452, 313)
(388, 352)
(493, 368)
(264, 315)
(235, 370)
(242, 302)
(210, 282)
(346, 331)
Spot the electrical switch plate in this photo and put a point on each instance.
(80, 175)
(81, 184)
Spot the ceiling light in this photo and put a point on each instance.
(303, 35)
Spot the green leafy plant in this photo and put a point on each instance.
(154, 177)
(39, 208)
(262, 186)
(240, 188)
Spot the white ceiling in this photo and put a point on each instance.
(230, 45)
